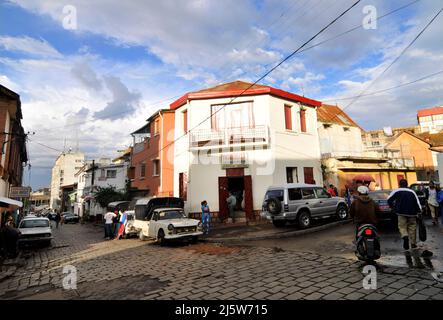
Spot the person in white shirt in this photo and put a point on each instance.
(108, 224)
(433, 203)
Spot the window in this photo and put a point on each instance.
(235, 115)
(142, 170)
(303, 120)
(156, 126)
(326, 125)
(185, 121)
(427, 118)
(78, 160)
(274, 194)
(288, 117)
(321, 193)
(78, 168)
(291, 175)
(102, 173)
(182, 185)
(111, 174)
(346, 129)
(374, 135)
(309, 175)
(375, 143)
(61, 173)
(294, 194)
(156, 167)
(308, 194)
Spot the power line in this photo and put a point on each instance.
(392, 62)
(260, 78)
(388, 89)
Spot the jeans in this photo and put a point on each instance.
(206, 219)
(117, 228)
(108, 230)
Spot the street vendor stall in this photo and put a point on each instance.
(8, 205)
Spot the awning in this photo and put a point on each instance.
(9, 204)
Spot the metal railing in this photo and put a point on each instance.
(228, 137)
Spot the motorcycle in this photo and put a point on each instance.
(367, 243)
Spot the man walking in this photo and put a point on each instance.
(232, 202)
(109, 216)
(407, 206)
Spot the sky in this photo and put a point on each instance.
(90, 79)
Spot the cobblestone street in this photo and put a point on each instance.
(134, 269)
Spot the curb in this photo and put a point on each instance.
(280, 235)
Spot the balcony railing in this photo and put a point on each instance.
(228, 137)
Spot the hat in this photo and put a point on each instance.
(363, 190)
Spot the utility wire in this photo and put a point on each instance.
(387, 89)
(260, 78)
(393, 61)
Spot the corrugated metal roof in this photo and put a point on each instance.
(334, 114)
(435, 139)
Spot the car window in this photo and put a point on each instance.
(172, 214)
(321, 193)
(34, 224)
(308, 194)
(274, 194)
(294, 194)
(380, 195)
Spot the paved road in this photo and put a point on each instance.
(132, 269)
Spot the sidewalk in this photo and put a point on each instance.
(261, 231)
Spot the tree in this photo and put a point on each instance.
(105, 195)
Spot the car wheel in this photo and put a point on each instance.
(304, 219)
(194, 239)
(279, 223)
(161, 237)
(342, 212)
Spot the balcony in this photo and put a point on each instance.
(205, 139)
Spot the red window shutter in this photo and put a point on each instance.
(185, 121)
(288, 118)
(303, 120)
(309, 175)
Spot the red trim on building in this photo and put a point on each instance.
(429, 112)
(250, 92)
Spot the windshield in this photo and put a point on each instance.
(383, 195)
(173, 214)
(34, 224)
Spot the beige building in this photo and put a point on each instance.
(40, 198)
(376, 140)
(63, 174)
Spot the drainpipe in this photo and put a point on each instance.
(161, 147)
(188, 174)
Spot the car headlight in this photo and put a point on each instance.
(170, 227)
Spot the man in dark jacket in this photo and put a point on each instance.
(363, 209)
(407, 206)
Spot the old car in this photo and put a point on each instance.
(164, 219)
(35, 230)
(69, 217)
(301, 203)
(386, 213)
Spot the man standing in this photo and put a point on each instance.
(109, 216)
(407, 206)
(433, 203)
(232, 202)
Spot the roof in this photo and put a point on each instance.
(334, 114)
(406, 132)
(236, 88)
(430, 111)
(434, 139)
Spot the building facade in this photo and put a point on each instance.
(430, 120)
(242, 145)
(63, 174)
(40, 198)
(13, 141)
(152, 157)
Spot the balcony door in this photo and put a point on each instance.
(235, 115)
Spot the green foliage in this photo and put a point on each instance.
(104, 195)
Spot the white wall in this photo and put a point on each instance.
(267, 167)
(336, 141)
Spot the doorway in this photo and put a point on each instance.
(241, 188)
(236, 186)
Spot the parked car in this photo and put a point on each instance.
(164, 219)
(301, 203)
(35, 230)
(381, 198)
(69, 217)
(130, 230)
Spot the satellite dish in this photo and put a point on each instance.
(387, 131)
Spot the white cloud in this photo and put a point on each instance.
(30, 46)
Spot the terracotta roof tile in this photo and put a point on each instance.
(430, 111)
(334, 114)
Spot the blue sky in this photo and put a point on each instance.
(98, 83)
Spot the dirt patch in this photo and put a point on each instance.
(212, 248)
